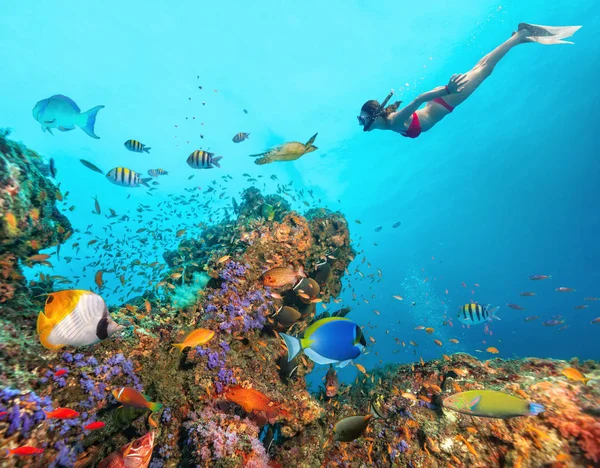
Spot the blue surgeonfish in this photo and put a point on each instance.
(61, 112)
(332, 340)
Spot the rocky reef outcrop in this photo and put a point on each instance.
(30, 221)
(216, 281)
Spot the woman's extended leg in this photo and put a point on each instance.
(484, 68)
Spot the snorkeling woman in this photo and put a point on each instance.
(411, 121)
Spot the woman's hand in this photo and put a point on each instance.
(457, 83)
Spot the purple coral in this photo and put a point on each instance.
(21, 419)
(231, 302)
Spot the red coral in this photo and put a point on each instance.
(584, 428)
(571, 421)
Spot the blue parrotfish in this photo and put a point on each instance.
(61, 112)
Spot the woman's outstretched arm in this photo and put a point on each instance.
(456, 83)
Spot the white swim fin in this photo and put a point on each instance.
(548, 35)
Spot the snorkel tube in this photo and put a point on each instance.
(378, 113)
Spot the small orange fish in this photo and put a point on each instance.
(437, 342)
(37, 258)
(99, 280)
(253, 400)
(361, 368)
(195, 338)
(176, 276)
(180, 233)
(24, 451)
(429, 330)
(573, 374)
(224, 259)
(151, 422)
(409, 396)
(492, 350)
(468, 445)
(34, 214)
(399, 298)
(453, 340)
(61, 413)
(148, 306)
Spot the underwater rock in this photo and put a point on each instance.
(29, 222)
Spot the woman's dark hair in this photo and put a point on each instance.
(372, 106)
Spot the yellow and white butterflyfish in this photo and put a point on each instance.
(74, 317)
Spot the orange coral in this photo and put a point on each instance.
(566, 416)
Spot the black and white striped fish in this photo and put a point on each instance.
(157, 172)
(126, 177)
(136, 146)
(239, 137)
(200, 159)
(475, 314)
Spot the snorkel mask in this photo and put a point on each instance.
(368, 121)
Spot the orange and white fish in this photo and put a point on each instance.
(129, 396)
(135, 454)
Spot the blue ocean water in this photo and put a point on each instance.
(504, 188)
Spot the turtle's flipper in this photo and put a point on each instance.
(312, 140)
(263, 160)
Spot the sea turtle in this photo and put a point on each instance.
(286, 152)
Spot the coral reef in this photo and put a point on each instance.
(29, 222)
(216, 281)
